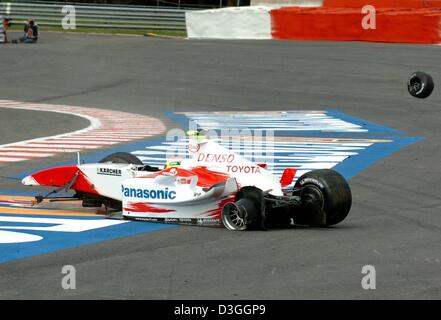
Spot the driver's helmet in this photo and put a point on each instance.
(199, 134)
(172, 163)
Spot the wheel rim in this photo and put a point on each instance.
(313, 194)
(235, 218)
(415, 86)
(232, 217)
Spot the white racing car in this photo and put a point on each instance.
(213, 187)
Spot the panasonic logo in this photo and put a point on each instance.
(164, 194)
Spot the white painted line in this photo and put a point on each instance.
(83, 142)
(131, 133)
(26, 154)
(94, 124)
(110, 135)
(42, 149)
(98, 138)
(13, 159)
(63, 145)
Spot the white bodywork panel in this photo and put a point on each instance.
(169, 198)
(218, 158)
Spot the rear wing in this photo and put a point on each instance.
(287, 177)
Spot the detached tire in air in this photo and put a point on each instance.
(326, 197)
(121, 157)
(420, 85)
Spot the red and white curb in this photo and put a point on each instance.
(106, 128)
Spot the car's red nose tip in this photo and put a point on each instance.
(29, 181)
(54, 177)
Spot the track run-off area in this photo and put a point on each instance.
(329, 104)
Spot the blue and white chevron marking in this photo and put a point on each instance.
(305, 140)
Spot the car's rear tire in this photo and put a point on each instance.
(325, 192)
(420, 85)
(121, 157)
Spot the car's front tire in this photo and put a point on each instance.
(121, 157)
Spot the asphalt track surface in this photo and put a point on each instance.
(25, 121)
(395, 222)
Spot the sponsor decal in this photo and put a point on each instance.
(312, 181)
(145, 219)
(215, 157)
(193, 147)
(208, 222)
(243, 169)
(163, 194)
(109, 171)
(187, 221)
(183, 180)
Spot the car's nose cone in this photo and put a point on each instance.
(29, 181)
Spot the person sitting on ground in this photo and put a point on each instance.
(6, 22)
(30, 32)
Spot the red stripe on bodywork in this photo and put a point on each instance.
(145, 207)
(217, 212)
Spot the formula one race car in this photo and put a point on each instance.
(214, 186)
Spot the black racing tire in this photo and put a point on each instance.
(121, 157)
(420, 85)
(329, 190)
